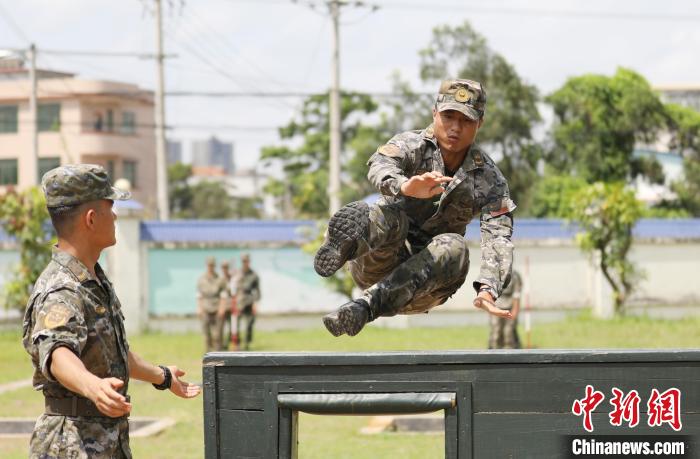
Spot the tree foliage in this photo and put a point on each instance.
(24, 217)
(685, 128)
(305, 155)
(607, 213)
(206, 199)
(598, 122)
(553, 195)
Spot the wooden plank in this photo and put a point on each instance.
(543, 435)
(242, 434)
(547, 385)
(497, 357)
(211, 443)
(558, 396)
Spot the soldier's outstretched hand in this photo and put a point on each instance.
(182, 388)
(485, 301)
(425, 185)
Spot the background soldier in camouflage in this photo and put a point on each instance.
(504, 332)
(247, 295)
(408, 251)
(74, 328)
(212, 295)
(227, 278)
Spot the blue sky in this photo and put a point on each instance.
(281, 46)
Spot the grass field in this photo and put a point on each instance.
(324, 437)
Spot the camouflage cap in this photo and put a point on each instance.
(211, 261)
(465, 96)
(75, 184)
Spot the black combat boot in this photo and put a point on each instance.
(345, 228)
(349, 318)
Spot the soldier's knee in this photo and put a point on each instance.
(451, 248)
(390, 220)
(453, 244)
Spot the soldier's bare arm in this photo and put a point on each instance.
(426, 185)
(144, 371)
(70, 371)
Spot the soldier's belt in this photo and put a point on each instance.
(73, 406)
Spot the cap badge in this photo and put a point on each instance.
(462, 95)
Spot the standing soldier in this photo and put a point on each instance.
(408, 251)
(247, 296)
(504, 332)
(225, 322)
(211, 305)
(74, 328)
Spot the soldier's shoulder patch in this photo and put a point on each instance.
(56, 315)
(390, 150)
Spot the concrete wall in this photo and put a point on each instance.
(162, 281)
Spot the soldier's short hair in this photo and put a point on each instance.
(63, 217)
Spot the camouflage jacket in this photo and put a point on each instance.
(71, 308)
(478, 188)
(247, 288)
(210, 290)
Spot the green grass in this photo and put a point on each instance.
(322, 437)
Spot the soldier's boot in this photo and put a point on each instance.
(349, 319)
(345, 229)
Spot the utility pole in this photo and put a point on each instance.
(334, 113)
(161, 169)
(33, 115)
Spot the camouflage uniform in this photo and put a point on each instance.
(210, 290)
(413, 254)
(504, 332)
(71, 308)
(247, 294)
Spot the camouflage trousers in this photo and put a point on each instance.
(59, 437)
(212, 328)
(394, 278)
(504, 333)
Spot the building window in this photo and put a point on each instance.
(49, 117)
(8, 118)
(129, 172)
(110, 120)
(128, 123)
(110, 169)
(8, 172)
(46, 164)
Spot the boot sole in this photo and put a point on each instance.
(343, 322)
(347, 226)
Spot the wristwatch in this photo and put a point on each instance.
(167, 379)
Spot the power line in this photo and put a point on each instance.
(476, 8)
(13, 25)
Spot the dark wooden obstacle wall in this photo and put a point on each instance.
(497, 404)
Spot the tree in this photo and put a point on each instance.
(553, 195)
(24, 217)
(511, 109)
(598, 122)
(179, 191)
(684, 125)
(210, 201)
(607, 213)
(306, 166)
